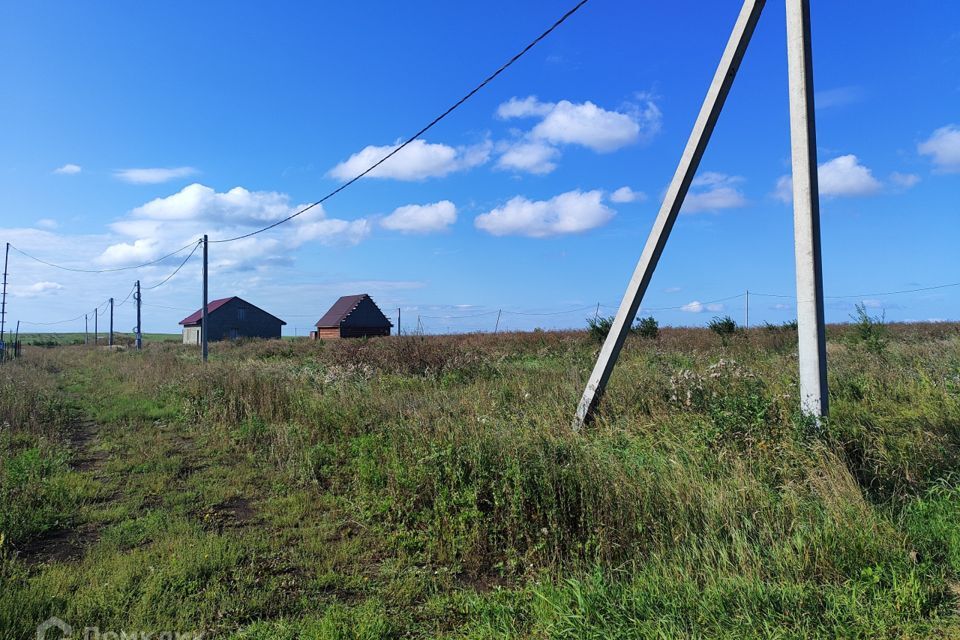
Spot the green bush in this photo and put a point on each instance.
(647, 327)
(869, 332)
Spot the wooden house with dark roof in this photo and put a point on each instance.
(352, 317)
(231, 318)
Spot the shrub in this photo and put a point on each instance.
(647, 327)
(723, 327)
(869, 332)
(599, 327)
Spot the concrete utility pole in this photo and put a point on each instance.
(110, 338)
(96, 334)
(496, 327)
(16, 341)
(203, 319)
(398, 321)
(3, 304)
(139, 335)
(746, 310)
(672, 202)
(806, 213)
(86, 330)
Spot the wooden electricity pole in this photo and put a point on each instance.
(672, 203)
(86, 329)
(96, 334)
(203, 320)
(110, 338)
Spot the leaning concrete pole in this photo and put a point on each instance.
(672, 202)
(806, 213)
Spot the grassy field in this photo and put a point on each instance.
(431, 487)
(65, 339)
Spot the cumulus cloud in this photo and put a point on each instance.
(68, 169)
(626, 194)
(153, 175)
(532, 156)
(36, 289)
(523, 108)
(943, 148)
(152, 229)
(421, 218)
(695, 306)
(841, 177)
(47, 223)
(417, 161)
(904, 180)
(714, 191)
(570, 212)
(568, 123)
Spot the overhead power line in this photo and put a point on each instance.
(112, 270)
(865, 295)
(175, 271)
(419, 133)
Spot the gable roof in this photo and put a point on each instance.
(213, 305)
(342, 308)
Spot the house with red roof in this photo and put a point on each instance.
(229, 319)
(356, 316)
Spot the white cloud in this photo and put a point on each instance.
(153, 175)
(904, 180)
(570, 212)
(568, 123)
(696, 306)
(603, 131)
(532, 156)
(713, 191)
(36, 289)
(416, 218)
(417, 161)
(529, 106)
(839, 97)
(672, 290)
(47, 223)
(943, 147)
(154, 228)
(626, 194)
(841, 177)
(68, 169)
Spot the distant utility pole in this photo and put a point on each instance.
(3, 305)
(746, 310)
(16, 341)
(203, 320)
(496, 327)
(398, 321)
(96, 333)
(110, 339)
(139, 336)
(86, 330)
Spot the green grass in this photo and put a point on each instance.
(61, 339)
(431, 487)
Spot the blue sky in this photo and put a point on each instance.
(126, 134)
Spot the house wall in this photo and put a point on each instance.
(328, 334)
(366, 320)
(255, 323)
(191, 335)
